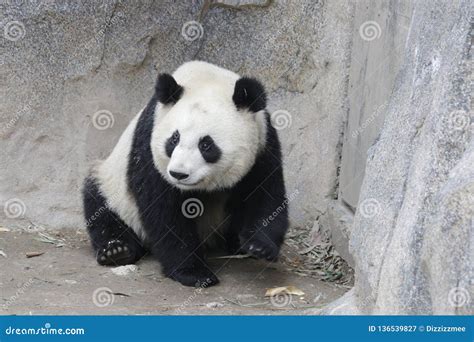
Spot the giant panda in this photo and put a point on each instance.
(198, 168)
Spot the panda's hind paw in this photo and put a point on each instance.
(200, 277)
(116, 253)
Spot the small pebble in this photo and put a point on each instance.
(124, 270)
(212, 305)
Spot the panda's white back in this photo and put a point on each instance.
(111, 175)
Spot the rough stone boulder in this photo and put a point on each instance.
(412, 237)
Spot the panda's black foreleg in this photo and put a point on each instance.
(177, 247)
(260, 207)
(261, 231)
(263, 242)
(231, 234)
(112, 240)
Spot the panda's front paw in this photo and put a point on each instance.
(197, 277)
(260, 246)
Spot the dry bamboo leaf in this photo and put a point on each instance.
(46, 238)
(307, 250)
(236, 256)
(292, 290)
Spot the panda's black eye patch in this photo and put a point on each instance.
(171, 143)
(209, 150)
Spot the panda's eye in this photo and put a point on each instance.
(171, 143)
(209, 150)
(205, 144)
(175, 138)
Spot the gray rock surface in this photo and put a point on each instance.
(76, 73)
(379, 35)
(412, 237)
(336, 224)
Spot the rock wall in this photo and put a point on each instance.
(412, 236)
(76, 72)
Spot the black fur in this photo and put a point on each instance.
(209, 150)
(113, 241)
(255, 199)
(171, 143)
(249, 93)
(167, 90)
(172, 237)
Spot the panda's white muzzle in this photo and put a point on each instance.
(186, 167)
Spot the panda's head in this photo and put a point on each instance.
(210, 124)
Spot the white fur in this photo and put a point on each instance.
(206, 108)
(112, 177)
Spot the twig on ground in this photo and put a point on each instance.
(33, 254)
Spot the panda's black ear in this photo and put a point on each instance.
(167, 90)
(249, 93)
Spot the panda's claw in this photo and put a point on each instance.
(115, 253)
(261, 248)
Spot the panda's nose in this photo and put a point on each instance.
(178, 175)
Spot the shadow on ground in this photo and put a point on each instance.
(65, 279)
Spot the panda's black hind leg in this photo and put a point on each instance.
(113, 241)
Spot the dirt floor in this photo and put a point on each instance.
(65, 279)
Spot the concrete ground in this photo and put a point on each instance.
(65, 279)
